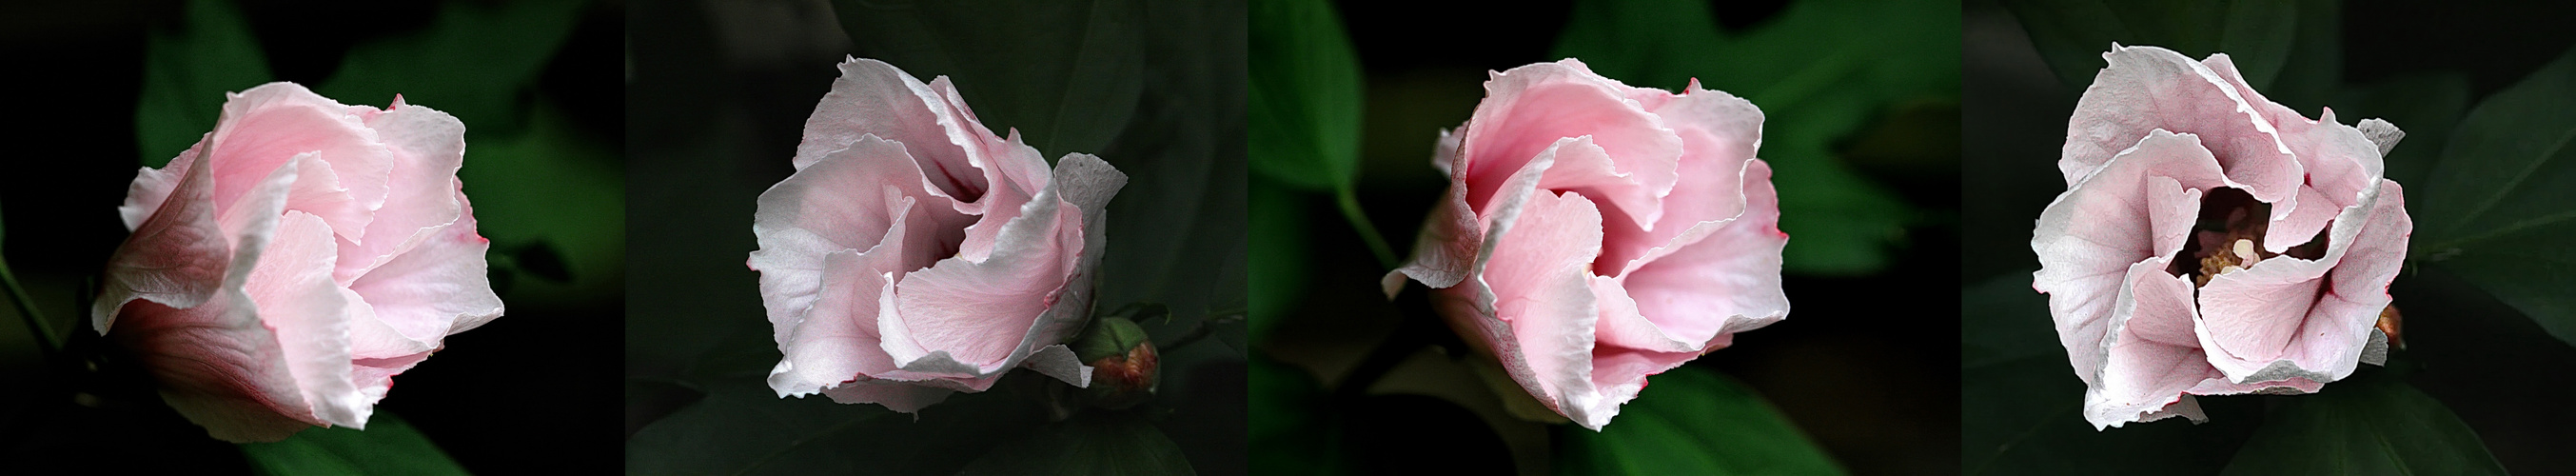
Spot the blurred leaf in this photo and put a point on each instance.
(473, 61)
(1176, 232)
(1695, 421)
(1092, 443)
(1290, 433)
(1065, 73)
(2425, 105)
(540, 258)
(2312, 75)
(389, 446)
(549, 183)
(2024, 416)
(2498, 208)
(2002, 320)
(2021, 405)
(1820, 70)
(2256, 34)
(1305, 117)
(187, 70)
(1141, 312)
(737, 429)
(2374, 424)
(1279, 251)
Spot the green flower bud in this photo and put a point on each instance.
(1123, 363)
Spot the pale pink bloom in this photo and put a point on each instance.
(288, 265)
(2211, 242)
(1595, 233)
(914, 254)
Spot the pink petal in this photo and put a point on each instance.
(375, 377)
(215, 361)
(218, 367)
(265, 126)
(426, 147)
(836, 340)
(965, 316)
(438, 288)
(900, 397)
(294, 294)
(1727, 282)
(152, 187)
(1444, 250)
(2149, 357)
(2343, 165)
(1622, 325)
(875, 98)
(1529, 109)
(2320, 334)
(1538, 275)
(842, 202)
(178, 254)
(1060, 362)
(1619, 373)
(1719, 133)
(2138, 206)
(2147, 88)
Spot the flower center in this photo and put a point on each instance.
(2228, 238)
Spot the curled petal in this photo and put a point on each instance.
(2139, 206)
(1531, 108)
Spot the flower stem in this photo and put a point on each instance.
(1204, 328)
(1350, 204)
(27, 311)
(1417, 326)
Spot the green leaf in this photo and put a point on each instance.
(1820, 70)
(547, 182)
(2426, 105)
(1279, 251)
(1176, 232)
(2021, 404)
(388, 446)
(2002, 320)
(2256, 34)
(1065, 73)
(2372, 424)
(473, 61)
(187, 70)
(1305, 116)
(740, 428)
(2499, 205)
(1290, 430)
(1694, 421)
(1092, 443)
(2024, 416)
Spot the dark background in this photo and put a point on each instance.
(2503, 376)
(1863, 365)
(525, 393)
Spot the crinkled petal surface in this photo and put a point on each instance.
(915, 254)
(2139, 332)
(287, 266)
(1595, 234)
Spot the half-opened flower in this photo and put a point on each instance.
(2211, 242)
(914, 254)
(288, 265)
(1595, 233)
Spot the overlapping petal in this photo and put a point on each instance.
(915, 254)
(286, 267)
(2276, 302)
(1595, 234)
